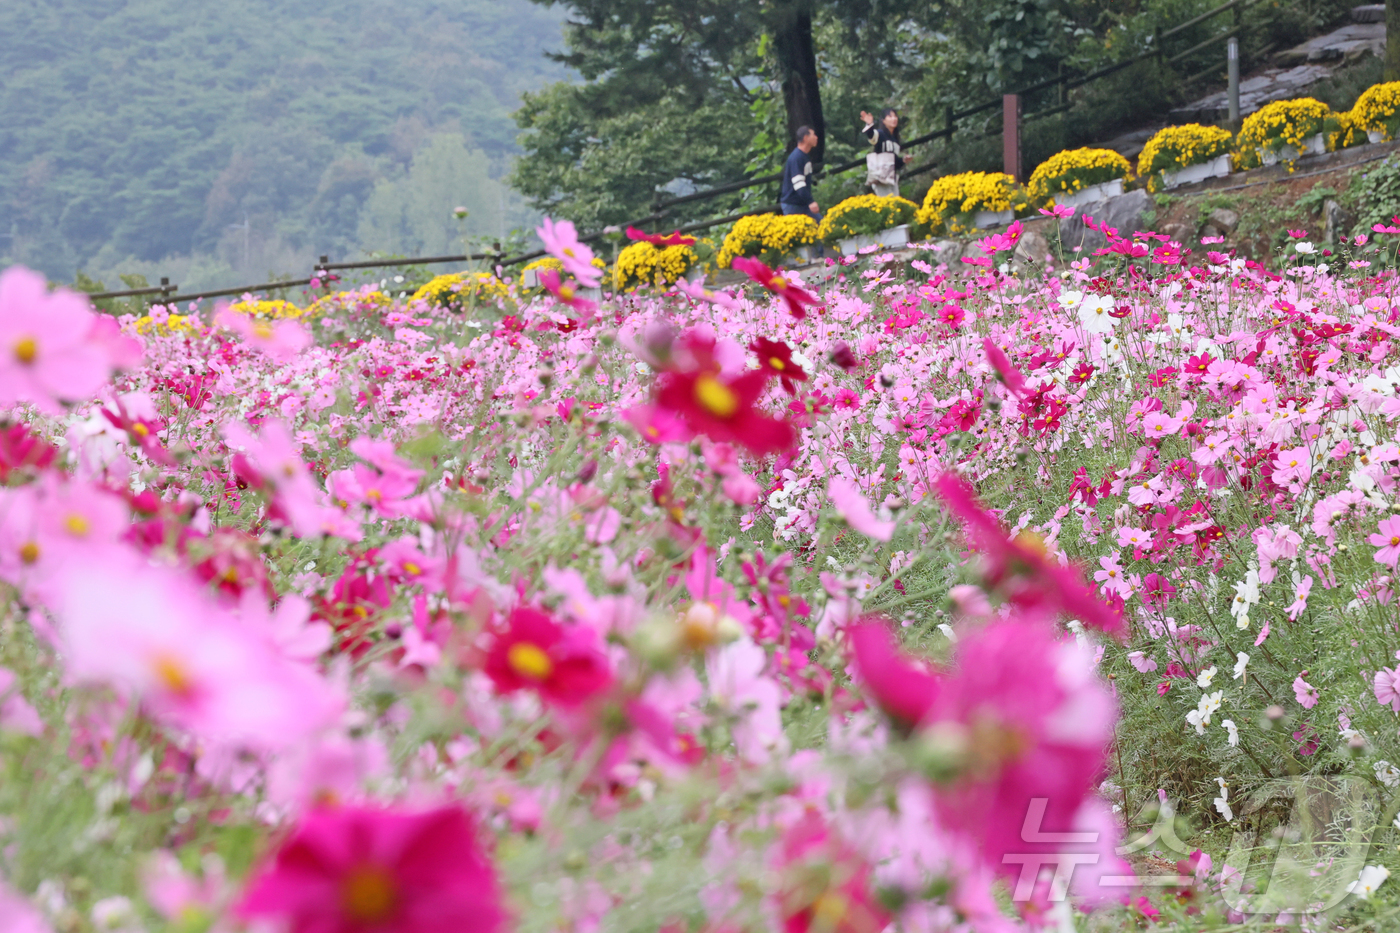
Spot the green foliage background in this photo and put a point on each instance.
(135, 133)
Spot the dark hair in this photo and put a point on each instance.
(894, 133)
(802, 132)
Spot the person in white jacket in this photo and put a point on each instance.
(886, 160)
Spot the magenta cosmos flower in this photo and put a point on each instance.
(365, 870)
(47, 355)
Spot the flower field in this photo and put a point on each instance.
(918, 598)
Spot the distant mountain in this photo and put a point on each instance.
(218, 139)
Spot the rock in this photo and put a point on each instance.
(1181, 233)
(1211, 230)
(1123, 213)
(972, 251)
(1369, 13)
(1336, 222)
(1224, 220)
(1032, 248)
(947, 251)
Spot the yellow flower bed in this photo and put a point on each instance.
(342, 302)
(1378, 109)
(953, 199)
(1178, 147)
(188, 324)
(767, 236)
(274, 310)
(1281, 124)
(1074, 170)
(643, 263)
(457, 289)
(865, 214)
(1348, 132)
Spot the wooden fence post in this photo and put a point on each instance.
(1011, 134)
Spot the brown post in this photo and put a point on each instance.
(1011, 134)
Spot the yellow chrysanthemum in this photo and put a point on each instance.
(1074, 170)
(1378, 109)
(771, 235)
(273, 310)
(1282, 126)
(643, 263)
(1178, 147)
(865, 214)
(952, 199)
(461, 288)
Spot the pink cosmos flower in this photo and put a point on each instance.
(1134, 538)
(1388, 540)
(177, 896)
(19, 916)
(1058, 210)
(657, 425)
(365, 870)
(1036, 722)
(827, 886)
(272, 460)
(561, 241)
(47, 356)
(566, 292)
(563, 663)
(148, 632)
(854, 508)
(698, 292)
(741, 688)
(1304, 692)
(905, 690)
(1386, 686)
(280, 340)
(1300, 600)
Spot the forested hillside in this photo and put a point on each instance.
(217, 139)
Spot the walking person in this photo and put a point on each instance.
(796, 195)
(886, 161)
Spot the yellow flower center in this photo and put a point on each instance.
(26, 349)
(716, 397)
(29, 552)
(412, 569)
(140, 430)
(368, 895)
(529, 661)
(566, 293)
(173, 676)
(77, 525)
(261, 330)
(776, 363)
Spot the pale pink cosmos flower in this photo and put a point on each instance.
(150, 633)
(179, 896)
(1160, 424)
(740, 688)
(47, 355)
(1387, 539)
(698, 292)
(854, 508)
(1293, 468)
(280, 340)
(1304, 692)
(331, 770)
(1300, 600)
(19, 916)
(1386, 686)
(1134, 538)
(1112, 577)
(562, 242)
(272, 460)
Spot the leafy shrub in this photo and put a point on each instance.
(1374, 195)
(1074, 170)
(1178, 147)
(865, 214)
(952, 201)
(769, 237)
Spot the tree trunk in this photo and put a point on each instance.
(1392, 40)
(797, 59)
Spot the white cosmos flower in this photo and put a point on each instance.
(1221, 802)
(1093, 314)
(1241, 662)
(1200, 716)
(1233, 730)
(1304, 247)
(1204, 678)
(1372, 877)
(1387, 773)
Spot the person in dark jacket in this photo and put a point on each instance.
(796, 195)
(882, 171)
